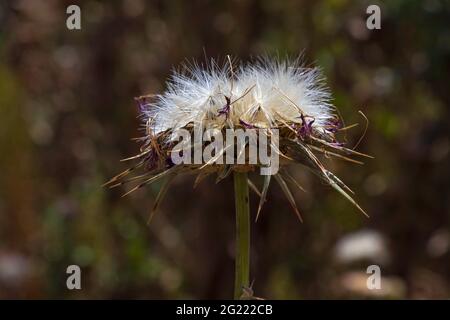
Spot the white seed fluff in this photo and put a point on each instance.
(261, 94)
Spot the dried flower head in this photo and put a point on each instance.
(269, 94)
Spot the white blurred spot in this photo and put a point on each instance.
(375, 185)
(362, 245)
(439, 243)
(66, 57)
(356, 283)
(383, 80)
(170, 279)
(40, 131)
(14, 269)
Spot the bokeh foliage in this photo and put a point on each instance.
(67, 116)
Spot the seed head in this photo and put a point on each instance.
(269, 94)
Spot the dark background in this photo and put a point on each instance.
(67, 116)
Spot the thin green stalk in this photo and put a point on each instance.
(242, 270)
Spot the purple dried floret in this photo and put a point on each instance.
(246, 125)
(226, 108)
(305, 129)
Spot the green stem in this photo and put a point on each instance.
(242, 270)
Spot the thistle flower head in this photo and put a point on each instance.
(270, 94)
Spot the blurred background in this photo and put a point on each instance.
(67, 116)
